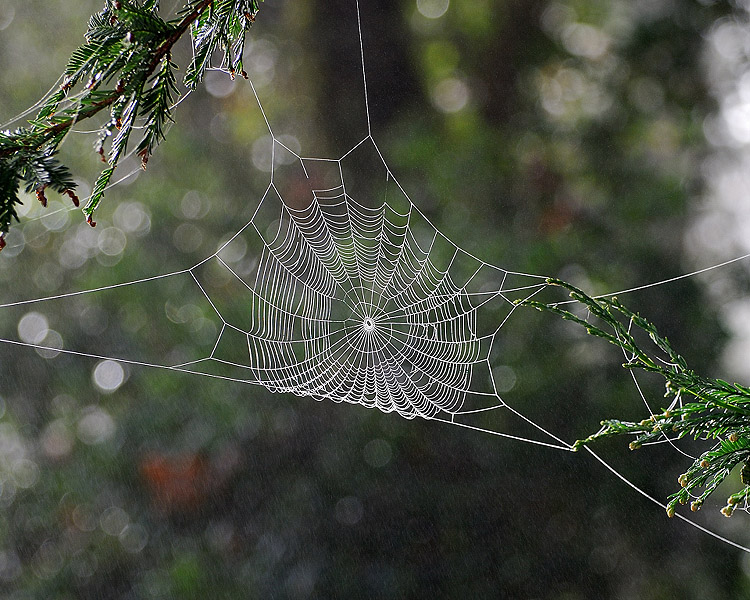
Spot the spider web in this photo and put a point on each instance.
(351, 295)
(356, 297)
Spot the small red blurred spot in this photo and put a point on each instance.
(183, 483)
(178, 484)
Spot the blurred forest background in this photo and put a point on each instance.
(601, 141)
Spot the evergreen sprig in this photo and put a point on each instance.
(124, 66)
(700, 407)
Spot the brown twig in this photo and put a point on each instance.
(38, 139)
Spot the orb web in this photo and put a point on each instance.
(361, 299)
(339, 288)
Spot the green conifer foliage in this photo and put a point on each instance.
(125, 67)
(700, 407)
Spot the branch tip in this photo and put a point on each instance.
(72, 195)
(41, 197)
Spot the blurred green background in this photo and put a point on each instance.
(562, 138)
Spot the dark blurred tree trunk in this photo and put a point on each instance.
(385, 38)
(518, 41)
